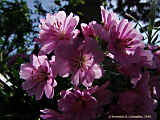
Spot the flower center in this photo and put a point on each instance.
(62, 35)
(122, 44)
(78, 62)
(41, 74)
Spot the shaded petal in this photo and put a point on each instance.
(76, 78)
(47, 48)
(51, 115)
(26, 71)
(89, 77)
(49, 91)
(71, 23)
(34, 61)
(29, 84)
(104, 14)
(39, 90)
(42, 59)
(98, 73)
(143, 84)
(61, 17)
(62, 67)
(121, 26)
(126, 28)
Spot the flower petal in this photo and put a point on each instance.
(49, 91)
(26, 71)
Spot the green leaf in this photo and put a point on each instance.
(151, 23)
(1, 42)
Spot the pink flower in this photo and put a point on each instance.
(132, 65)
(88, 30)
(93, 29)
(104, 96)
(76, 105)
(136, 105)
(109, 19)
(57, 28)
(39, 77)
(123, 38)
(139, 101)
(155, 83)
(81, 59)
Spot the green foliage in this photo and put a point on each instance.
(16, 27)
(15, 24)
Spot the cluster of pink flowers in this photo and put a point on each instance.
(82, 58)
